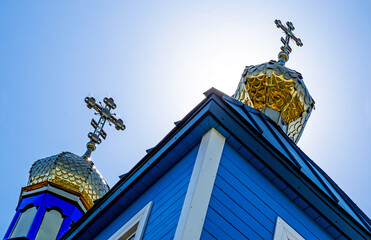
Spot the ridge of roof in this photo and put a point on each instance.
(126, 176)
(223, 97)
(215, 91)
(360, 214)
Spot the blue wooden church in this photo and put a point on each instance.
(230, 169)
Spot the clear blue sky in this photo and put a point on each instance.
(156, 58)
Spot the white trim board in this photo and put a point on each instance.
(200, 187)
(141, 217)
(63, 193)
(283, 231)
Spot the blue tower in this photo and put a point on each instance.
(63, 187)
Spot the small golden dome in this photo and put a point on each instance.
(279, 93)
(71, 172)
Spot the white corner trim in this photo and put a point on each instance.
(141, 217)
(201, 185)
(283, 231)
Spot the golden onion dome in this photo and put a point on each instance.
(71, 172)
(279, 93)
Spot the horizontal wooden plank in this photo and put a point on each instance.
(169, 225)
(222, 223)
(245, 228)
(217, 231)
(170, 188)
(173, 208)
(259, 191)
(205, 235)
(244, 210)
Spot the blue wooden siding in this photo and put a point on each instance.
(245, 204)
(167, 195)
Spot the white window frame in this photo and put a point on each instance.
(283, 231)
(141, 217)
(45, 232)
(20, 224)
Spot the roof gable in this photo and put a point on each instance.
(237, 123)
(286, 146)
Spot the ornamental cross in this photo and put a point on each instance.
(105, 114)
(286, 49)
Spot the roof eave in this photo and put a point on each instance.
(262, 148)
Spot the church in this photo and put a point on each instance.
(230, 169)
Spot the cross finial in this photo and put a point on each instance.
(283, 56)
(105, 114)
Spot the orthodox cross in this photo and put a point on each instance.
(286, 49)
(105, 114)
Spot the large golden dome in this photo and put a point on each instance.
(279, 93)
(69, 171)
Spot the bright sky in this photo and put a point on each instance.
(156, 58)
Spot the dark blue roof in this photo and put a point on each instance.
(250, 129)
(286, 146)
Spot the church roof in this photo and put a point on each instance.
(71, 172)
(278, 138)
(244, 128)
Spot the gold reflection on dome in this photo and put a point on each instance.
(71, 172)
(279, 93)
(276, 93)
